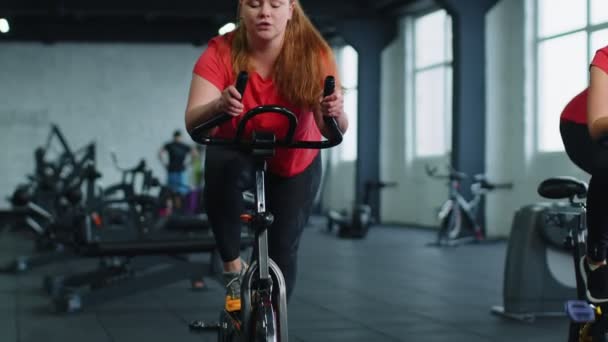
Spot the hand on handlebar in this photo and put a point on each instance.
(230, 102)
(198, 133)
(332, 105)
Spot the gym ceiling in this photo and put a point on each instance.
(193, 21)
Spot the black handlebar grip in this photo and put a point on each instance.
(330, 86)
(328, 89)
(241, 82)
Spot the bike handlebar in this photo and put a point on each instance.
(140, 167)
(197, 133)
(479, 179)
(241, 83)
(494, 186)
(452, 175)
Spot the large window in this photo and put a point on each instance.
(348, 63)
(432, 84)
(568, 32)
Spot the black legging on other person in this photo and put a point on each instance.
(593, 159)
(290, 199)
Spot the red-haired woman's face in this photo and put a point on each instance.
(266, 19)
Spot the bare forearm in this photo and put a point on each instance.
(196, 115)
(598, 127)
(341, 120)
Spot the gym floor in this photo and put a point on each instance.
(388, 287)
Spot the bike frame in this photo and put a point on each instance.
(260, 274)
(468, 208)
(256, 287)
(575, 219)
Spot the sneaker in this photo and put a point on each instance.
(233, 288)
(596, 282)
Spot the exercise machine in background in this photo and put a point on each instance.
(356, 223)
(458, 217)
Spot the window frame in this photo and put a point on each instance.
(446, 64)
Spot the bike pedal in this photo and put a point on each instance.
(580, 311)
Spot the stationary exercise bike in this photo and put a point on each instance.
(588, 321)
(263, 314)
(458, 216)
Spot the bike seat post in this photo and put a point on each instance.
(263, 219)
(578, 226)
(577, 229)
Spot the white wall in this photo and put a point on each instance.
(417, 197)
(128, 98)
(392, 126)
(339, 190)
(505, 121)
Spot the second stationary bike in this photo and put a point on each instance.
(458, 216)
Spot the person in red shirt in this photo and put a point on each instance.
(287, 61)
(583, 122)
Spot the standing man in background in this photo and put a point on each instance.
(175, 163)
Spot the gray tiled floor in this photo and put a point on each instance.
(388, 287)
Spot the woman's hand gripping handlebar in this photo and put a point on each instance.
(198, 133)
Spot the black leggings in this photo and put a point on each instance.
(592, 158)
(289, 199)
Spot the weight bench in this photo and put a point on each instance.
(128, 267)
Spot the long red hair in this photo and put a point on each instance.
(303, 63)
